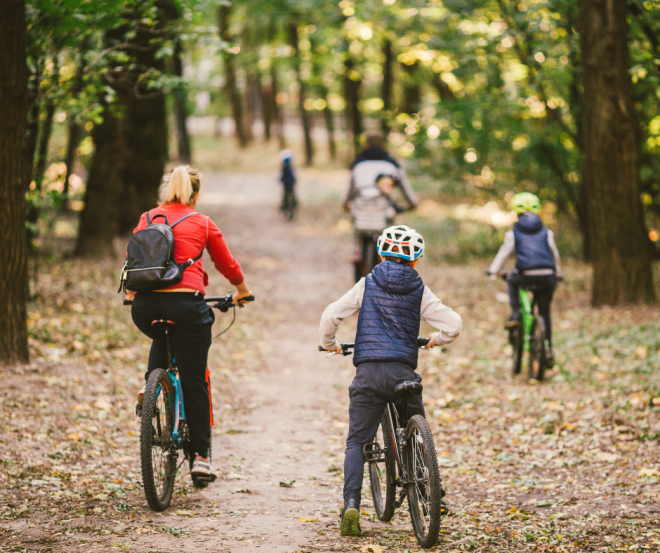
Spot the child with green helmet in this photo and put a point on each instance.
(537, 261)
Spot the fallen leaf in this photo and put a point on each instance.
(73, 437)
(286, 483)
(648, 472)
(371, 548)
(184, 513)
(609, 457)
(103, 404)
(308, 519)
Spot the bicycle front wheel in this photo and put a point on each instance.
(424, 484)
(537, 340)
(383, 475)
(158, 467)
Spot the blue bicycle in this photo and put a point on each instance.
(163, 428)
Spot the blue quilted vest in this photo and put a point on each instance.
(388, 324)
(531, 239)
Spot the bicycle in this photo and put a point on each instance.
(163, 427)
(289, 205)
(408, 450)
(530, 336)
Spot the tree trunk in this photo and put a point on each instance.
(266, 93)
(144, 158)
(352, 84)
(74, 130)
(99, 218)
(278, 113)
(329, 125)
(233, 95)
(620, 247)
(180, 109)
(302, 94)
(46, 129)
(388, 84)
(412, 91)
(13, 117)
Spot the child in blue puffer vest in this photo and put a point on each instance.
(537, 262)
(391, 300)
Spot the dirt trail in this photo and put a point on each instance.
(287, 435)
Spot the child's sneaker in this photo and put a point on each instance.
(350, 519)
(139, 402)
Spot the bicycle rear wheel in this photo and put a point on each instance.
(425, 486)
(517, 342)
(537, 340)
(383, 475)
(158, 467)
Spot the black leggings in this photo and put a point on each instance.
(542, 296)
(190, 347)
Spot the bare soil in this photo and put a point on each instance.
(568, 465)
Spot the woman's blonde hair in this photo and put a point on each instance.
(180, 186)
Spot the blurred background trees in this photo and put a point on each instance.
(484, 98)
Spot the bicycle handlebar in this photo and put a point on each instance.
(223, 303)
(347, 349)
(505, 276)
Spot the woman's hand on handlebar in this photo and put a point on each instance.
(242, 291)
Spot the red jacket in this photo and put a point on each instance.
(190, 238)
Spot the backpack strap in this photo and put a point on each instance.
(182, 218)
(188, 263)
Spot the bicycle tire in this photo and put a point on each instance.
(517, 342)
(424, 501)
(384, 480)
(155, 455)
(537, 341)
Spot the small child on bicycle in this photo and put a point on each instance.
(537, 261)
(288, 180)
(391, 301)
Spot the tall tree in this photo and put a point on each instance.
(98, 221)
(231, 89)
(13, 115)
(180, 106)
(294, 42)
(352, 86)
(620, 248)
(388, 85)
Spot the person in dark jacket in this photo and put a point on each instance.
(288, 180)
(537, 261)
(391, 301)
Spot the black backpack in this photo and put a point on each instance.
(150, 263)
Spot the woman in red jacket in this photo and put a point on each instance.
(184, 305)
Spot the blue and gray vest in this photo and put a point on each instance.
(388, 324)
(531, 239)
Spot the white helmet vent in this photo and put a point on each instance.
(401, 241)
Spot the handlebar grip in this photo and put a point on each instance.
(321, 348)
(421, 342)
(246, 299)
(128, 302)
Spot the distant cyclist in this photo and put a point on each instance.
(184, 305)
(288, 180)
(537, 261)
(373, 173)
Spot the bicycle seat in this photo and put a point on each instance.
(406, 390)
(161, 324)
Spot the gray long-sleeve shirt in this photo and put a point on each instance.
(433, 311)
(509, 246)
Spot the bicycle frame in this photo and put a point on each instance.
(527, 306)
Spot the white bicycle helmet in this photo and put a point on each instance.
(286, 154)
(401, 241)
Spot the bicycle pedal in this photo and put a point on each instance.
(373, 453)
(205, 477)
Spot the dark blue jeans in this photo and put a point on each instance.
(545, 284)
(190, 344)
(371, 390)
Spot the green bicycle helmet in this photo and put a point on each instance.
(525, 201)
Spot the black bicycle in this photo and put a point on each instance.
(289, 205)
(403, 456)
(163, 428)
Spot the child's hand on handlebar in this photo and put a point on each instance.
(130, 295)
(337, 348)
(432, 343)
